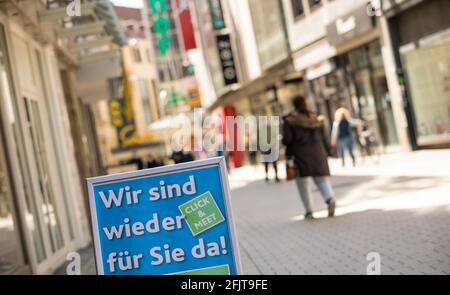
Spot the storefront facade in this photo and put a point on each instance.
(421, 57)
(344, 66)
(42, 205)
(373, 98)
(328, 86)
(356, 80)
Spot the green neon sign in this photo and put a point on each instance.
(162, 24)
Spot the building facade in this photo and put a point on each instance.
(253, 35)
(175, 72)
(371, 57)
(267, 79)
(42, 204)
(124, 117)
(417, 34)
(338, 46)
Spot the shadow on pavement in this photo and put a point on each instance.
(408, 243)
(273, 239)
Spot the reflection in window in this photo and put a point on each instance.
(297, 7)
(137, 55)
(31, 213)
(428, 73)
(376, 57)
(145, 98)
(149, 56)
(313, 3)
(269, 31)
(51, 218)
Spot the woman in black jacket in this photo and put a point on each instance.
(305, 140)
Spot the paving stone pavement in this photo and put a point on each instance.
(399, 209)
(401, 213)
(274, 240)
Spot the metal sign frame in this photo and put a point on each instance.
(220, 162)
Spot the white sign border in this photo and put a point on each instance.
(220, 161)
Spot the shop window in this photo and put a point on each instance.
(9, 233)
(145, 98)
(297, 8)
(375, 55)
(269, 32)
(31, 209)
(149, 56)
(358, 58)
(115, 87)
(137, 55)
(161, 75)
(66, 194)
(49, 210)
(428, 76)
(314, 3)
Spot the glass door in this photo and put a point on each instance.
(384, 110)
(373, 95)
(383, 102)
(11, 253)
(20, 171)
(367, 104)
(50, 211)
(359, 63)
(45, 192)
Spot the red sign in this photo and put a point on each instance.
(187, 29)
(231, 135)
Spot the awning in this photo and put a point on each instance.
(89, 29)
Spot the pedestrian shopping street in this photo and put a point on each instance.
(99, 99)
(399, 208)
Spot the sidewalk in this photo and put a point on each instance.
(399, 208)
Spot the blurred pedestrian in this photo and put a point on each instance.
(267, 159)
(152, 162)
(342, 134)
(252, 156)
(252, 147)
(223, 150)
(268, 156)
(135, 160)
(306, 142)
(182, 157)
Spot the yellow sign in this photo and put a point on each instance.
(139, 140)
(194, 99)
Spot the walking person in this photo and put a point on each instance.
(153, 162)
(180, 157)
(305, 141)
(135, 160)
(223, 150)
(268, 156)
(342, 134)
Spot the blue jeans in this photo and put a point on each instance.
(343, 144)
(322, 183)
